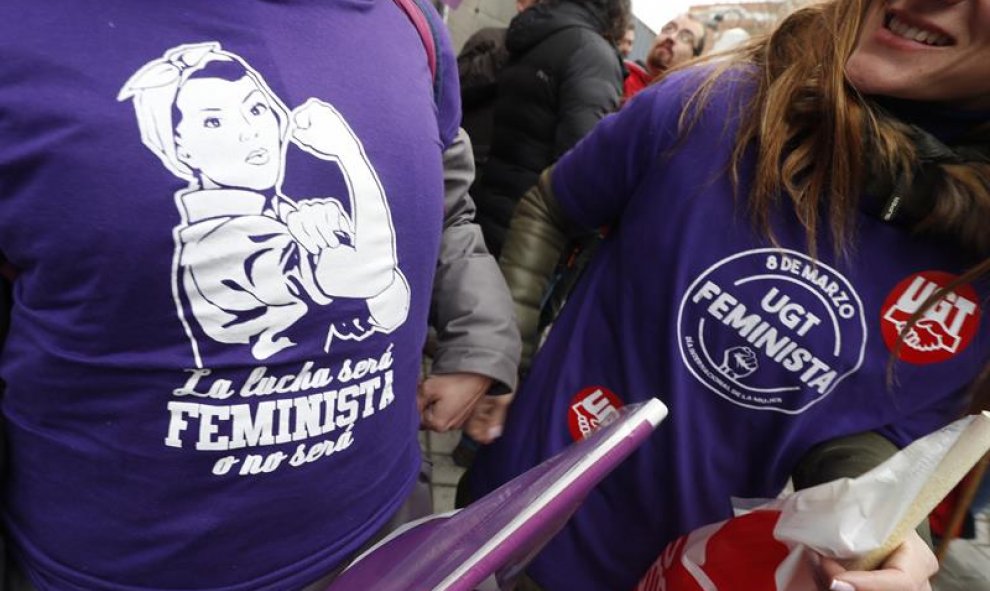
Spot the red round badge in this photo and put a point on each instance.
(942, 332)
(590, 409)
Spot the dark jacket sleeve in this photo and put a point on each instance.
(538, 234)
(471, 307)
(590, 87)
(847, 457)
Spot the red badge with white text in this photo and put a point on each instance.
(592, 408)
(943, 331)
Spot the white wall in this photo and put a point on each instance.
(472, 15)
(643, 42)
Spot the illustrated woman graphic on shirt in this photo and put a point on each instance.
(249, 261)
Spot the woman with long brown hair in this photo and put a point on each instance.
(798, 254)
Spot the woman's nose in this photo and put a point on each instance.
(249, 131)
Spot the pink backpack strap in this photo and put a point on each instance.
(415, 10)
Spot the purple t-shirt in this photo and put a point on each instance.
(759, 351)
(227, 217)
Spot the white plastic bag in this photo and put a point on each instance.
(856, 521)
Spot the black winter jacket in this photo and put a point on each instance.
(482, 58)
(562, 78)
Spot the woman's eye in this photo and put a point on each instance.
(211, 122)
(259, 109)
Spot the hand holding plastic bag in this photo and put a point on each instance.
(909, 568)
(859, 523)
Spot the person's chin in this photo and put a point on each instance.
(868, 85)
(656, 66)
(867, 74)
(255, 183)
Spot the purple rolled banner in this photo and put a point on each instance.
(497, 535)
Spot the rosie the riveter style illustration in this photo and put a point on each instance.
(249, 262)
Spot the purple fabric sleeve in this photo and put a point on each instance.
(594, 181)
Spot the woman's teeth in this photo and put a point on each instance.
(912, 33)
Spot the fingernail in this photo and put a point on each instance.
(838, 585)
(494, 432)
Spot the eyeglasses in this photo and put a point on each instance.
(682, 35)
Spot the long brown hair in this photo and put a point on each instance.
(818, 140)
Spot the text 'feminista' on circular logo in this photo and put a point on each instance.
(771, 329)
(590, 409)
(942, 331)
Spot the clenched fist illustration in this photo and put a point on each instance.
(322, 131)
(739, 362)
(317, 224)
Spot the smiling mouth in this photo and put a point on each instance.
(257, 157)
(915, 33)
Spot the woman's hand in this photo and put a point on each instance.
(447, 400)
(909, 568)
(485, 424)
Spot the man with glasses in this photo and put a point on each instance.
(679, 40)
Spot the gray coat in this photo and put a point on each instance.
(471, 308)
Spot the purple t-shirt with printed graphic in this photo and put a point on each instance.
(226, 217)
(758, 350)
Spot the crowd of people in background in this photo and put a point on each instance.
(562, 76)
(678, 41)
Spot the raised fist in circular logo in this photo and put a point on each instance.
(739, 362)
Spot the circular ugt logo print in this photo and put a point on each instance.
(943, 331)
(771, 329)
(590, 409)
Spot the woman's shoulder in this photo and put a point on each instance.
(719, 90)
(720, 81)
